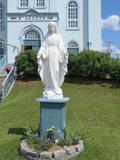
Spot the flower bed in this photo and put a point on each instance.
(50, 145)
(66, 152)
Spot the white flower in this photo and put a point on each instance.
(53, 127)
(57, 140)
(50, 129)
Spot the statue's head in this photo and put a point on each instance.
(52, 27)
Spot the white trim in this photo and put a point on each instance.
(30, 27)
(28, 32)
(74, 41)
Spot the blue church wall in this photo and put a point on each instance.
(20, 20)
(3, 30)
(14, 7)
(70, 34)
(18, 36)
(85, 23)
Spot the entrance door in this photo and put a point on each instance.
(27, 48)
(31, 40)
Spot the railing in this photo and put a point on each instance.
(1, 56)
(2, 62)
(8, 83)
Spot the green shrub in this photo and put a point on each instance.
(114, 69)
(90, 64)
(87, 64)
(73, 65)
(26, 63)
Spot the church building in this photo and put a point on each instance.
(23, 24)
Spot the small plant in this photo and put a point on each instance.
(45, 144)
(35, 141)
(8, 68)
(50, 133)
(32, 135)
(76, 137)
(49, 139)
(70, 138)
(64, 142)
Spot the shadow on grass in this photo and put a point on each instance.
(17, 131)
(114, 84)
(103, 82)
(28, 78)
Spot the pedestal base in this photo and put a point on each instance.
(53, 114)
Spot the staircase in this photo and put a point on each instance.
(2, 78)
(6, 82)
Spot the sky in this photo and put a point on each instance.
(111, 24)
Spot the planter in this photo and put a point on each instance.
(62, 154)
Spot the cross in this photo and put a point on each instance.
(88, 44)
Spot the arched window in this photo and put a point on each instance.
(40, 3)
(1, 16)
(72, 16)
(32, 40)
(23, 3)
(73, 47)
(32, 35)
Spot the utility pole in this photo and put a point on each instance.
(109, 45)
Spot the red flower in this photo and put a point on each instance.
(8, 68)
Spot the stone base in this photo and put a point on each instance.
(64, 154)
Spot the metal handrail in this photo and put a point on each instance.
(8, 83)
(1, 56)
(2, 62)
(5, 43)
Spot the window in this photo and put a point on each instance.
(32, 40)
(73, 47)
(32, 35)
(72, 17)
(40, 3)
(23, 3)
(1, 16)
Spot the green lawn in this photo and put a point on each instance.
(94, 108)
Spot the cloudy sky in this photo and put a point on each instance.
(111, 22)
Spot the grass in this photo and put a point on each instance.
(94, 108)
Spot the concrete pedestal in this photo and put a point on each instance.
(53, 113)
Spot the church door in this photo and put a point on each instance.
(31, 40)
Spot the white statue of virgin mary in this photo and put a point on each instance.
(52, 61)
